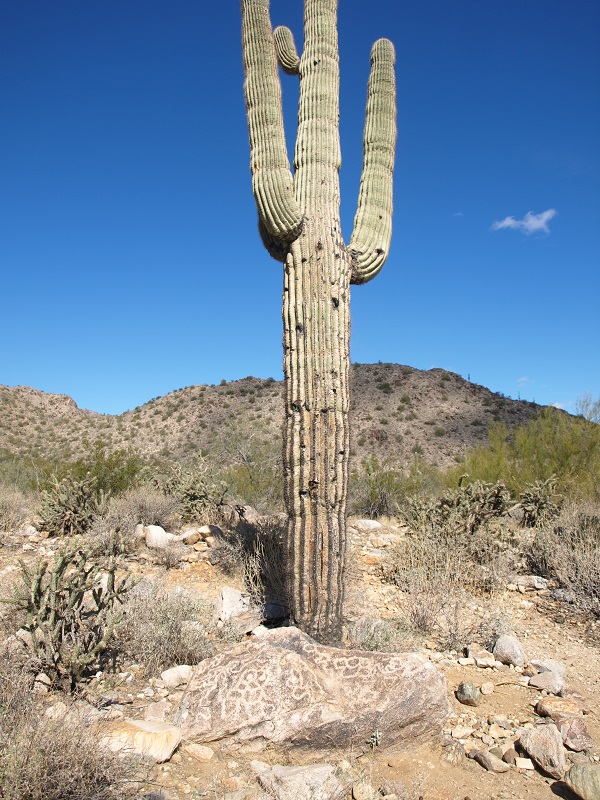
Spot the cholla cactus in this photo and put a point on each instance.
(299, 221)
(71, 612)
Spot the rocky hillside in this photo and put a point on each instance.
(397, 412)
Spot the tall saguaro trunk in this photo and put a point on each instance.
(299, 221)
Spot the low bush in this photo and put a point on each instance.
(44, 759)
(15, 508)
(568, 550)
(463, 510)
(141, 505)
(162, 629)
(382, 635)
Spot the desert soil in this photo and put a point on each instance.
(545, 628)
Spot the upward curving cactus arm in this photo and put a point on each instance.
(370, 240)
(272, 181)
(287, 55)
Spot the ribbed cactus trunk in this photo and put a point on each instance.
(299, 221)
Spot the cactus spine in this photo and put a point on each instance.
(299, 222)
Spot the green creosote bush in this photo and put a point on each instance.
(69, 612)
(114, 472)
(68, 506)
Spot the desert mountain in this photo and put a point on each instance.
(397, 412)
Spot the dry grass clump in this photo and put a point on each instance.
(142, 505)
(44, 759)
(568, 550)
(163, 629)
(382, 635)
(440, 570)
(15, 508)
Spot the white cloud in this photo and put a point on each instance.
(531, 223)
(525, 379)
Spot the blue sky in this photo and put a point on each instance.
(129, 256)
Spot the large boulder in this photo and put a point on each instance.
(287, 689)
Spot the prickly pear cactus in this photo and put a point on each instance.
(299, 222)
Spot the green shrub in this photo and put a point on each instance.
(554, 443)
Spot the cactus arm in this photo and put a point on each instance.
(287, 55)
(275, 247)
(272, 181)
(370, 240)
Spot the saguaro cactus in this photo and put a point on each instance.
(299, 221)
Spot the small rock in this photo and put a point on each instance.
(41, 683)
(454, 753)
(393, 787)
(575, 734)
(491, 762)
(300, 783)
(367, 525)
(462, 732)
(530, 582)
(468, 694)
(523, 763)
(549, 665)
(483, 658)
(510, 756)
(584, 780)
(191, 537)
(156, 740)
(157, 537)
(557, 707)
(199, 751)
(497, 732)
(545, 746)
(508, 650)
(551, 682)
(363, 791)
(487, 688)
(158, 711)
(176, 676)
(231, 603)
